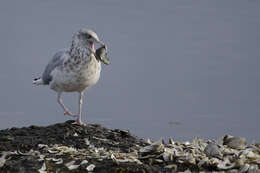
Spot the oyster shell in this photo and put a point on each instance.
(235, 142)
(101, 54)
(91, 167)
(156, 147)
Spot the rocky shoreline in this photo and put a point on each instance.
(68, 147)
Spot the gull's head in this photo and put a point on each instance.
(89, 37)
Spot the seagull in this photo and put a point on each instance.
(75, 69)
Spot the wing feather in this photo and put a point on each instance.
(55, 62)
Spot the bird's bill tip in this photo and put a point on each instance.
(101, 43)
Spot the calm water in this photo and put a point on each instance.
(179, 68)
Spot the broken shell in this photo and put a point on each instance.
(167, 157)
(250, 154)
(25, 154)
(203, 161)
(149, 141)
(71, 166)
(186, 143)
(43, 168)
(188, 158)
(41, 146)
(59, 161)
(2, 159)
(158, 161)
(235, 142)
(87, 141)
(224, 165)
(155, 147)
(168, 154)
(75, 134)
(70, 163)
(232, 171)
(253, 169)
(91, 167)
(41, 157)
(84, 162)
(171, 141)
(113, 157)
(53, 151)
(244, 168)
(172, 167)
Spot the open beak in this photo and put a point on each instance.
(100, 42)
(92, 46)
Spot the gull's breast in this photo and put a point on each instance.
(76, 76)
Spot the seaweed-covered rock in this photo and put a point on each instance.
(68, 147)
(68, 134)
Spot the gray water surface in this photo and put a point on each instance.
(178, 68)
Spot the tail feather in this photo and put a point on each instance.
(38, 81)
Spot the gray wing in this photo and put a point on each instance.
(56, 61)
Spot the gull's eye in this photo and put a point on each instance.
(89, 36)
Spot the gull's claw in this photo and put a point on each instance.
(79, 122)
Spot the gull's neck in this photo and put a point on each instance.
(79, 48)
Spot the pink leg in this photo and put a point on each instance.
(80, 109)
(66, 110)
